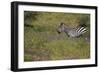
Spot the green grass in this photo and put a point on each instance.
(42, 42)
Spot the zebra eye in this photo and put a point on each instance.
(59, 32)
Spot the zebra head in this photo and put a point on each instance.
(61, 28)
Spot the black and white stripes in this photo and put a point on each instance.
(71, 32)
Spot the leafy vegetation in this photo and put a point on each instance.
(42, 42)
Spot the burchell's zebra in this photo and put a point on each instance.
(71, 32)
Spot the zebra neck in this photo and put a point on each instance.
(66, 30)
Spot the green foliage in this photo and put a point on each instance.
(42, 42)
(29, 16)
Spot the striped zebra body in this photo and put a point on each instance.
(71, 32)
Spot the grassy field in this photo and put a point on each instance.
(42, 42)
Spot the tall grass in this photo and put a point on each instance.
(42, 42)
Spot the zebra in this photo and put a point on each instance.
(71, 32)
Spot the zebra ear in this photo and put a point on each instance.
(61, 23)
